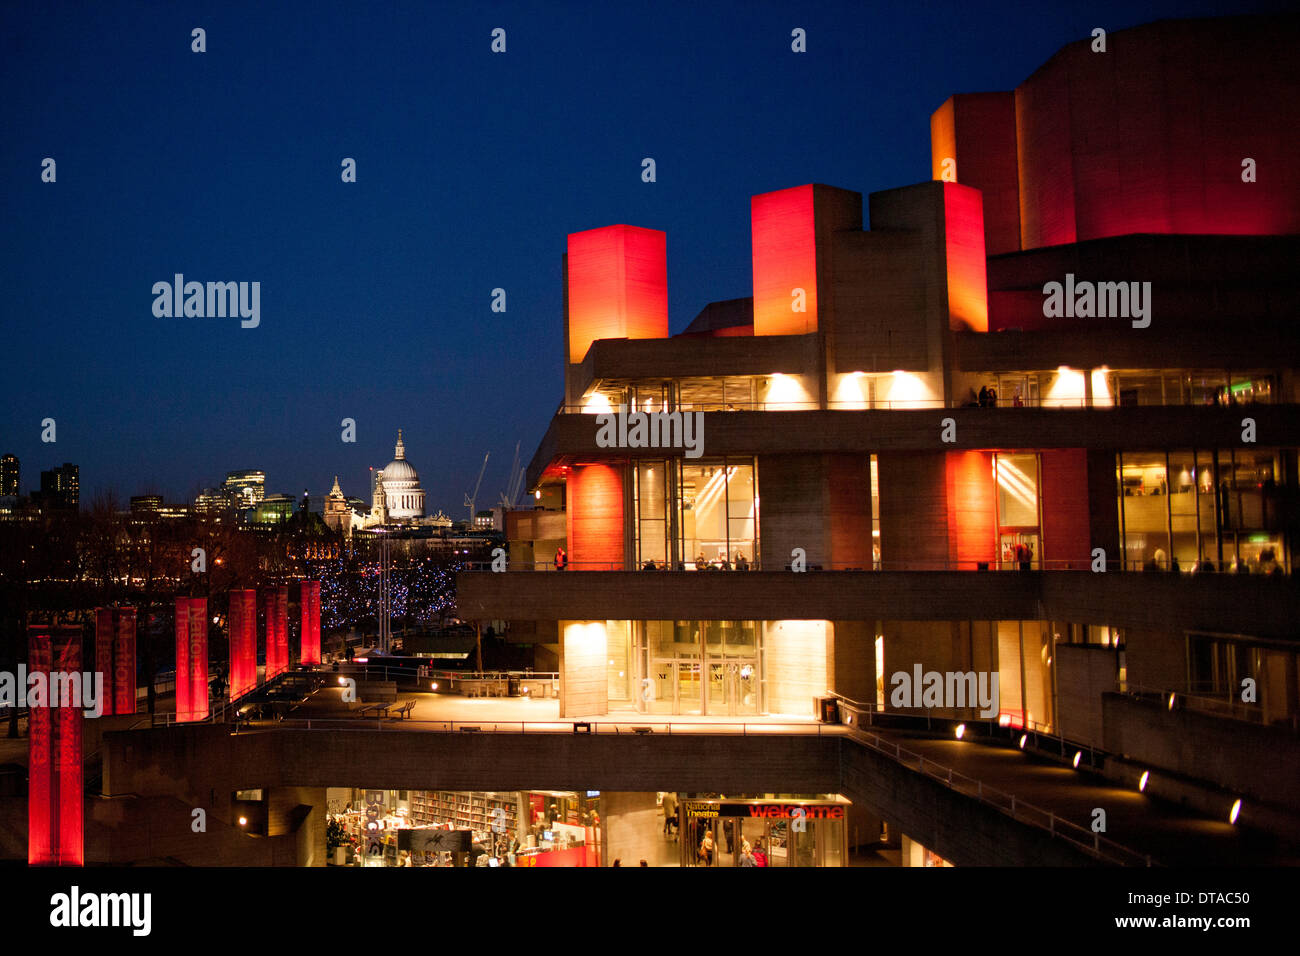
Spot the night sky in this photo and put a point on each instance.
(472, 168)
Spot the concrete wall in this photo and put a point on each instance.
(796, 655)
(1249, 759)
(210, 759)
(1083, 673)
(851, 668)
(584, 683)
(913, 509)
(794, 509)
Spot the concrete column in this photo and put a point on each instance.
(584, 682)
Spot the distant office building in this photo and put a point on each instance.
(60, 487)
(244, 489)
(483, 521)
(272, 509)
(209, 501)
(153, 506)
(9, 475)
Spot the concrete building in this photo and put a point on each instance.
(1060, 359)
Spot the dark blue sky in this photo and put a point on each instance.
(472, 169)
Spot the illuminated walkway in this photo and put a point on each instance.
(1172, 836)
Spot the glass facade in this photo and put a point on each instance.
(699, 667)
(696, 515)
(1198, 510)
(763, 832)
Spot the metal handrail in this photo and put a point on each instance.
(619, 727)
(1023, 811)
(426, 673)
(1036, 564)
(1229, 705)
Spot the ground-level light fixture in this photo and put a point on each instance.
(1077, 755)
(433, 686)
(1142, 783)
(1172, 698)
(243, 821)
(1023, 738)
(961, 730)
(1235, 811)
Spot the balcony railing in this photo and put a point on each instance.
(690, 566)
(877, 405)
(857, 716)
(1212, 702)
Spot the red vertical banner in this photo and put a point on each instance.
(305, 655)
(236, 621)
(282, 628)
(315, 620)
(198, 658)
(104, 634)
(184, 701)
(309, 645)
(41, 789)
(248, 650)
(243, 642)
(67, 722)
(124, 664)
(55, 800)
(235, 618)
(268, 611)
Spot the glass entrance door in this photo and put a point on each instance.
(733, 686)
(675, 686)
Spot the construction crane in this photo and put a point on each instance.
(471, 498)
(510, 496)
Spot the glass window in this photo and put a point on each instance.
(719, 514)
(1146, 513)
(652, 527)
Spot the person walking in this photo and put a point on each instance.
(706, 849)
(670, 814)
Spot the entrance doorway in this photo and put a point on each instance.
(733, 686)
(816, 840)
(676, 686)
